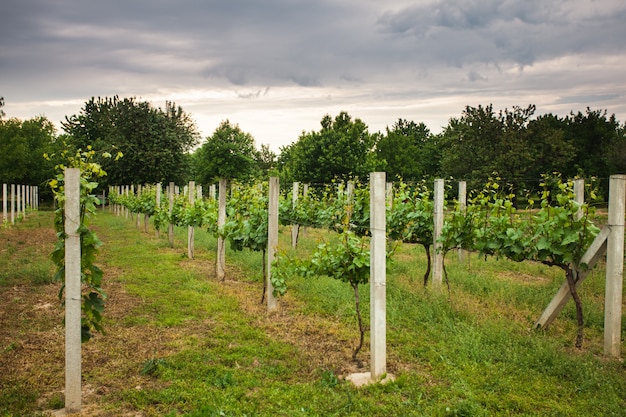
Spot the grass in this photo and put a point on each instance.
(179, 342)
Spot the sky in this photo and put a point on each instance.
(276, 67)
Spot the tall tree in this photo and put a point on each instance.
(469, 145)
(594, 136)
(154, 141)
(228, 153)
(22, 146)
(266, 161)
(551, 152)
(408, 151)
(343, 148)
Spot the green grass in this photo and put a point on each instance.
(468, 353)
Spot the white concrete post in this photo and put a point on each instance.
(5, 216)
(220, 265)
(272, 239)
(305, 192)
(170, 227)
(462, 208)
(438, 225)
(159, 189)
(12, 203)
(389, 194)
(614, 267)
(190, 229)
(126, 193)
(72, 292)
(378, 276)
(294, 227)
(138, 195)
(19, 200)
(579, 196)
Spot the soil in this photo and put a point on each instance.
(32, 334)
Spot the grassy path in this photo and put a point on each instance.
(179, 342)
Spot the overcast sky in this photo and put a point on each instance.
(276, 67)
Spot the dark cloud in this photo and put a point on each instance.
(398, 58)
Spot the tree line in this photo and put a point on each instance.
(163, 144)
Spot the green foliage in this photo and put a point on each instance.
(469, 355)
(228, 153)
(342, 149)
(154, 141)
(247, 218)
(22, 146)
(408, 151)
(558, 234)
(92, 304)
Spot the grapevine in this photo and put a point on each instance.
(93, 297)
(554, 235)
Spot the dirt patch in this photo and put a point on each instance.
(519, 277)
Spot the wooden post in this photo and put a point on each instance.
(220, 264)
(190, 229)
(170, 227)
(294, 227)
(462, 208)
(438, 225)
(614, 267)
(378, 276)
(72, 292)
(272, 239)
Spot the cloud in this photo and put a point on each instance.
(379, 61)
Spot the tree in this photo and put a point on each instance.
(343, 148)
(2, 113)
(154, 141)
(228, 153)
(551, 152)
(593, 135)
(266, 161)
(469, 145)
(22, 146)
(408, 151)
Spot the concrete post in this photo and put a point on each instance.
(294, 227)
(190, 229)
(220, 265)
(72, 292)
(438, 226)
(272, 239)
(378, 276)
(579, 196)
(462, 207)
(614, 267)
(4, 204)
(170, 227)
